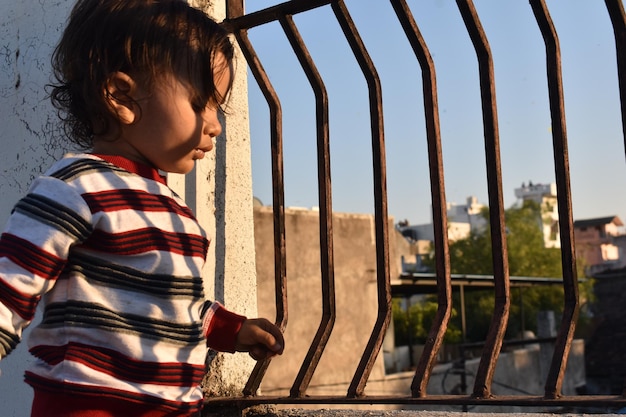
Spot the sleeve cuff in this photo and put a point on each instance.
(220, 327)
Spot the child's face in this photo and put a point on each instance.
(168, 134)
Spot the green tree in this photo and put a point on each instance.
(412, 325)
(525, 246)
(527, 256)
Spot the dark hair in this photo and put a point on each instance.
(147, 39)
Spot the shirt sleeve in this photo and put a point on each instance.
(220, 326)
(34, 247)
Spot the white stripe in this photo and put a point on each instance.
(73, 372)
(130, 345)
(124, 220)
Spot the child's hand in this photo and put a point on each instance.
(260, 338)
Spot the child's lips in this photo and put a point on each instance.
(199, 153)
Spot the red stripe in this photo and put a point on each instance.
(30, 257)
(57, 399)
(125, 199)
(138, 168)
(146, 240)
(22, 304)
(122, 367)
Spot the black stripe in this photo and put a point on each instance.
(82, 314)
(8, 342)
(205, 307)
(54, 214)
(124, 277)
(84, 166)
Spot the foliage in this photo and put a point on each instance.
(413, 325)
(527, 257)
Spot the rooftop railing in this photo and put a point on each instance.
(481, 394)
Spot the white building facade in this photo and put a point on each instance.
(545, 196)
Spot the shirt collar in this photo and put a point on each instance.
(135, 167)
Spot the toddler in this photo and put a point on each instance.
(114, 255)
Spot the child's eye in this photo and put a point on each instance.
(213, 104)
(198, 105)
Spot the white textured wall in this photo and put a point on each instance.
(223, 203)
(219, 191)
(28, 34)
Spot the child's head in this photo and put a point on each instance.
(147, 39)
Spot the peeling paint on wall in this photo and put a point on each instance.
(29, 134)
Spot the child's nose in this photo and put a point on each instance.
(212, 125)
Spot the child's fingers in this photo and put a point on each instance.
(261, 338)
(279, 342)
(270, 336)
(260, 352)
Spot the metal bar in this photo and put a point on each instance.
(357, 386)
(278, 193)
(327, 322)
(565, 336)
(601, 401)
(618, 20)
(234, 9)
(497, 328)
(271, 14)
(481, 395)
(437, 189)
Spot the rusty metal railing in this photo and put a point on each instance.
(238, 23)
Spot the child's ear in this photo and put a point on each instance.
(120, 94)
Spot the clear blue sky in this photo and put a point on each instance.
(596, 145)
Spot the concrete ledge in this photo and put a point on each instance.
(271, 411)
(400, 413)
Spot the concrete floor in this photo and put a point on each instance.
(269, 411)
(362, 413)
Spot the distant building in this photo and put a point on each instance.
(469, 213)
(600, 243)
(354, 291)
(462, 219)
(355, 296)
(545, 196)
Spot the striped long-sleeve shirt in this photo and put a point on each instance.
(116, 258)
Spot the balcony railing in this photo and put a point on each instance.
(481, 392)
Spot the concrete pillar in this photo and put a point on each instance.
(220, 193)
(219, 190)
